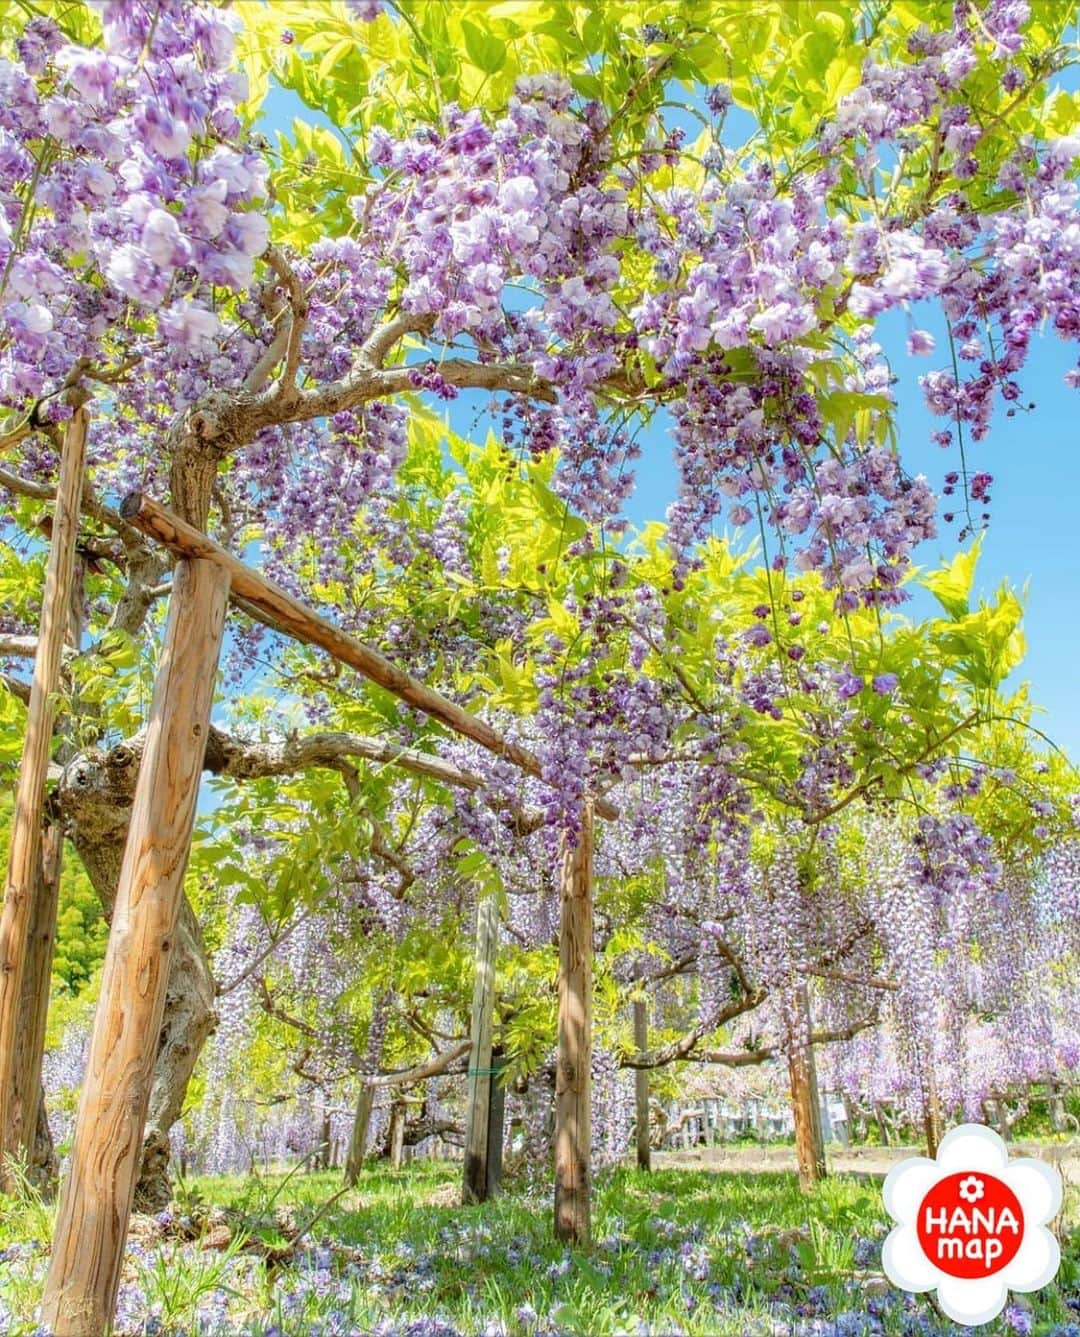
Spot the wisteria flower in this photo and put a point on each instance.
(367, 11)
(920, 343)
(848, 684)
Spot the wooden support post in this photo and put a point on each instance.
(25, 850)
(354, 1162)
(842, 1126)
(95, 1204)
(496, 1117)
(1058, 1121)
(931, 1110)
(641, 1086)
(30, 1036)
(398, 1113)
(475, 1181)
(26, 1090)
(805, 1101)
(322, 1155)
(1002, 1119)
(573, 1072)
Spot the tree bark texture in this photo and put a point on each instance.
(24, 859)
(573, 1072)
(96, 1200)
(96, 794)
(43, 1166)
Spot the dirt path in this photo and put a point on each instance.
(857, 1160)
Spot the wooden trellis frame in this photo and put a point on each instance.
(95, 1204)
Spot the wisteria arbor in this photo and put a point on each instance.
(509, 211)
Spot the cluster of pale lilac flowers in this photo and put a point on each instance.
(746, 266)
(123, 163)
(138, 164)
(974, 951)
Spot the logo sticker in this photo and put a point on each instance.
(971, 1224)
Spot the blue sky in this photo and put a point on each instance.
(1034, 534)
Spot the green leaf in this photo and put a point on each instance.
(484, 50)
(951, 585)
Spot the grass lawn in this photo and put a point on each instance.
(679, 1251)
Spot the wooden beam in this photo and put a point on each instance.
(24, 856)
(475, 1179)
(281, 611)
(95, 1204)
(573, 1070)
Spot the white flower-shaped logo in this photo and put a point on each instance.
(971, 1188)
(971, 1224)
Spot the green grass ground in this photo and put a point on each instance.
(678, 1251)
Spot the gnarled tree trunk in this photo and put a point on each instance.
(188, 1023)
(43, 1166)
(95, 795)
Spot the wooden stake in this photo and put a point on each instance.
(805, 1103)
(496, 1124)
(474, 1184)
(641, 1086)
(398, 1112)
(25, 850)
(932, 1111)
(34, 1009)
(322, 1154)
(1058, 1120)
(41, 939)
(573, 1073)
(269, 603)
(95, 1204)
